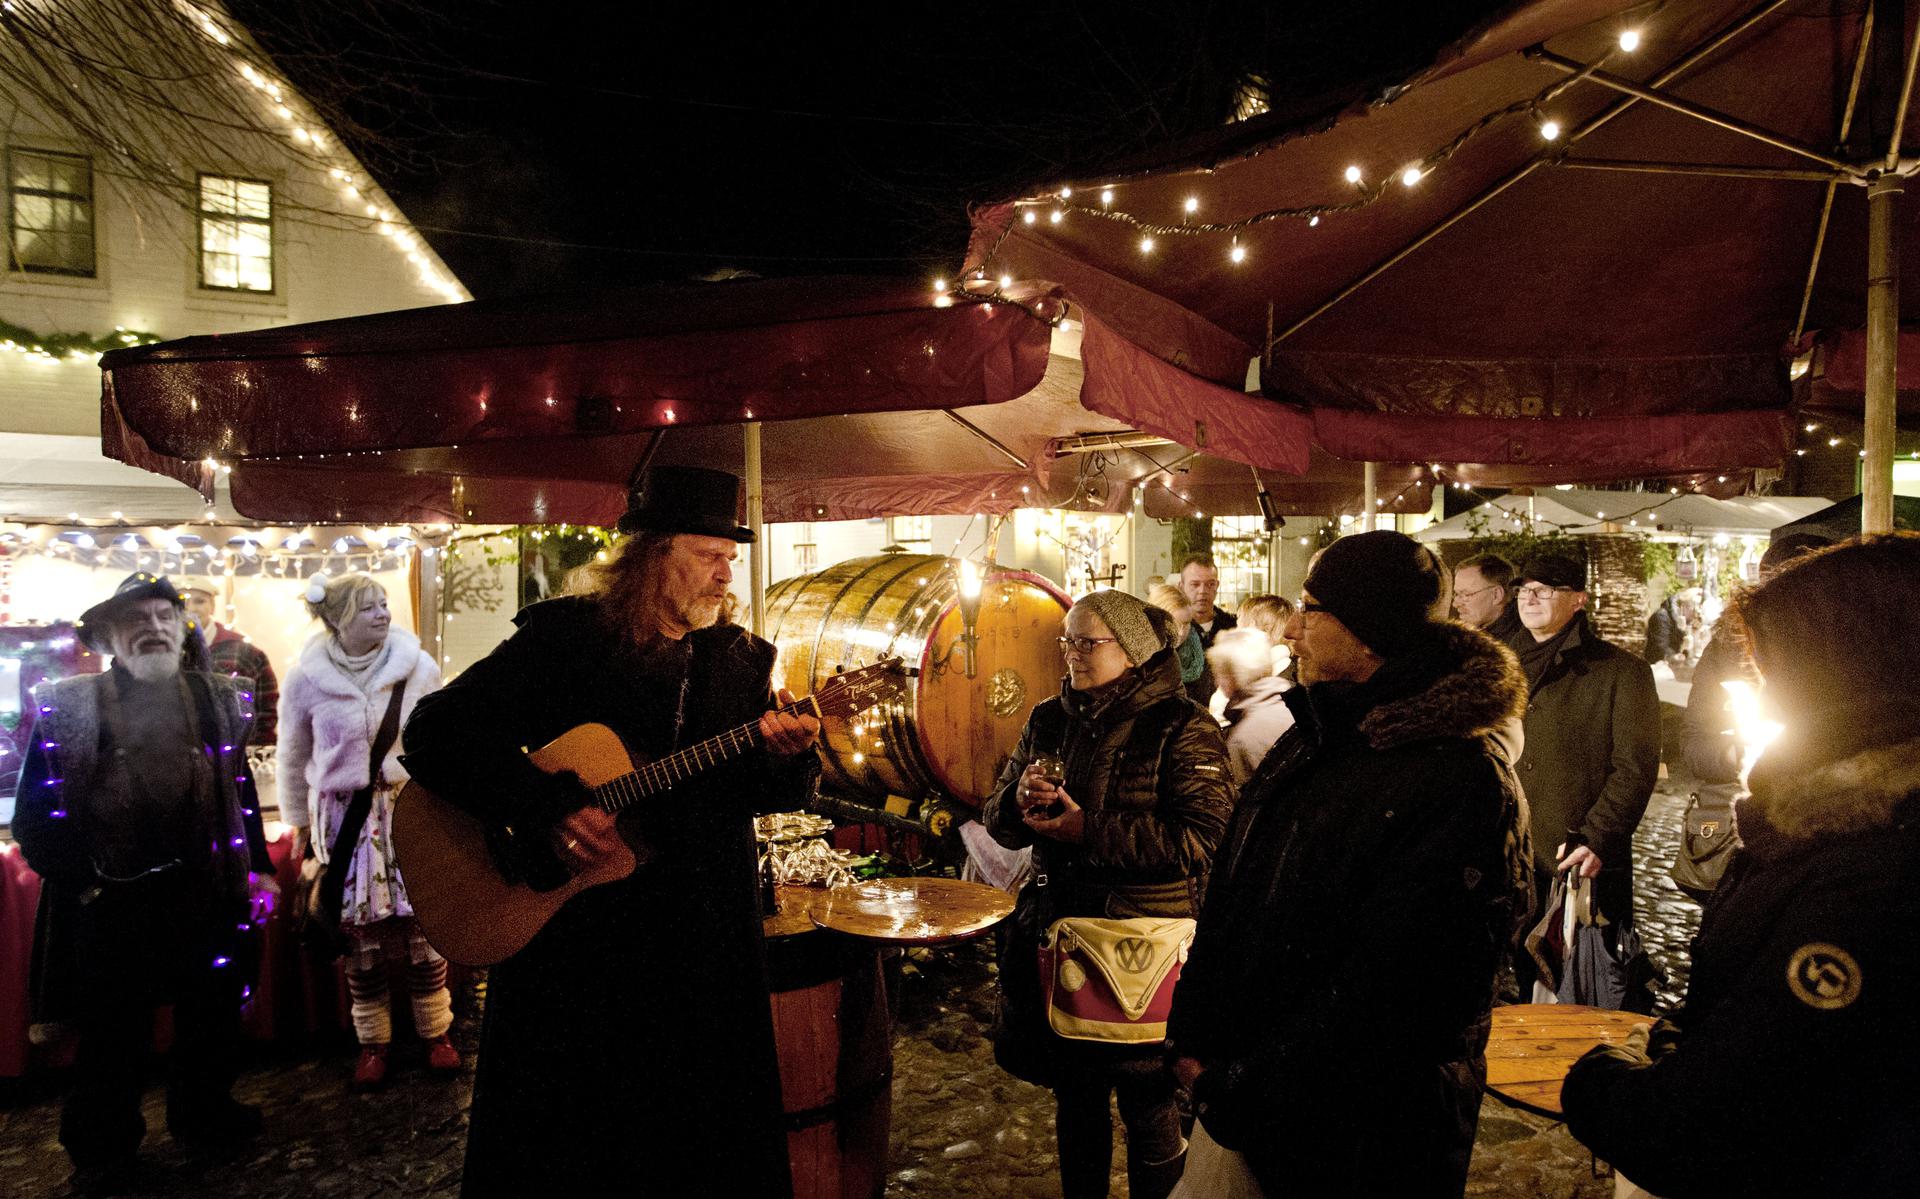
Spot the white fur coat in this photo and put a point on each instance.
(327, 724)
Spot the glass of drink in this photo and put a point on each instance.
(1054, 770)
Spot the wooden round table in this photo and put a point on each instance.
(1533, 1045)
(912, 911)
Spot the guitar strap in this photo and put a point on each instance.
(333, 883)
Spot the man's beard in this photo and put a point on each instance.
(701, 612)
(153, 666)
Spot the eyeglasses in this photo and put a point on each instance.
(1083, 645)
(1467, 595)
(1306, 606)
(1538, 592)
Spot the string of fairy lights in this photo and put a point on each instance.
(1365, 187)
(309, 138)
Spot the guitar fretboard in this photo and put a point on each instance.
(656, 777)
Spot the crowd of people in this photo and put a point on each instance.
(1312, 833)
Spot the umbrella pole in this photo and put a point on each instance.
(1369, 495)
(1883, 335)
(757, 556)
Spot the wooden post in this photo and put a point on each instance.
(757, 556)
(1883, 338)
(1369, 496)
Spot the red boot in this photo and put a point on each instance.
(370, 1072)
(442, 1057)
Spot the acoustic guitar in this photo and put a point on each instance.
(474, 916)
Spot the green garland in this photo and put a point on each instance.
(64, 345)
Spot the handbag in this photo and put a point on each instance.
(1576, 962)
(1113, 980)
(318, 898)
(1706, 841)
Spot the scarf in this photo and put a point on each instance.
(360, 669)
(1536, 656)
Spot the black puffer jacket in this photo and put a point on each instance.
(1149, 767)
(1790, 1070)
(1372, 882)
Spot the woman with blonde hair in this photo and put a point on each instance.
(1185, 641)
(356, 682)
(1269, 613)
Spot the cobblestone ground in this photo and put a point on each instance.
(962, 1129)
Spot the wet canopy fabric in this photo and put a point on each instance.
(1482, 294)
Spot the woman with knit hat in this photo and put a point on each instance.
(1123, 826)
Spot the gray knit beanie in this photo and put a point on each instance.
(1128, 619)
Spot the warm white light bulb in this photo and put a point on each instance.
(1146, 245)
(1106, 196)
(1193, 204)
(1353, 174)
(1055, 216)
(1238, 253)
(1550, 130)
(1410, 176)
(1312, 221)
(1006, 281)
(1630, 40)
(1066, 193)
(1029, 216)
(940, 285)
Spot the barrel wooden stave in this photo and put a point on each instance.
(951, 737)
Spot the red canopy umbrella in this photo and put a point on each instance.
(877, 399)
(1590, 238)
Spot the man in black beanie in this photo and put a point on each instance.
(1371, 885)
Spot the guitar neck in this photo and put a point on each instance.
(655, 777)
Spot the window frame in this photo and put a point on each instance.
(14, 262)
(200, 218)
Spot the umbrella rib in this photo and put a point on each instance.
(1906, 96)
(987, 437)
(1826, 203)
(1687, 108)
(1641, 166)
(1691, 60)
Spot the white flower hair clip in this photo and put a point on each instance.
(317, 588)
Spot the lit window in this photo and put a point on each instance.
(236, 234)
(50, 212)
(906, 530)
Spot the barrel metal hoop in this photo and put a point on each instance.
(856, 1097)
(819, 637)
(911, 563)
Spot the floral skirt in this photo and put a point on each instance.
(373, 889)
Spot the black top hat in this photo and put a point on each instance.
(686, 499)
(137, 586)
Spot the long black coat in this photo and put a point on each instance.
(631, 1040)
(1790, 1070)
(1592, 754)
(1370, 886)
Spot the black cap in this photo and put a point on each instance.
(137, 586)
(686, 499)
(1555, 570)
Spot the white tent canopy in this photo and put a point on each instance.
(1661, 516)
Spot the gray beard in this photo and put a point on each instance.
(152, 668)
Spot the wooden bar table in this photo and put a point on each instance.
(1533, 1045)
(831, 1020)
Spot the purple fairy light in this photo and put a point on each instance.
(221, 961)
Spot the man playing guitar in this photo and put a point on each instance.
(630, 1042)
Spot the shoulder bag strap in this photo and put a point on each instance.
(333, 884)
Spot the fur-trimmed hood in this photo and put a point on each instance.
(1462, 684)
(1807, 796)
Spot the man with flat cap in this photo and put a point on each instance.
(136, 810)
(1592, 737)
(630, 1043)
(1333, 1017)
(236, 657)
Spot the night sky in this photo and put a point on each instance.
(560, 146)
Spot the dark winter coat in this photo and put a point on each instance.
(1592, 755)
(1707, 744)
(631, 1040)
(1372, 882)
(53, 822)
(1666, 635)
(1149, 767)
(1791, 1069)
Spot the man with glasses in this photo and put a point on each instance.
(1483, 596)
(1592, 737)
(1370, 886)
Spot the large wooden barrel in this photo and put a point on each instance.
(834, 1032)
(953, 733)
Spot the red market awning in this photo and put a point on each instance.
(1616, 302)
